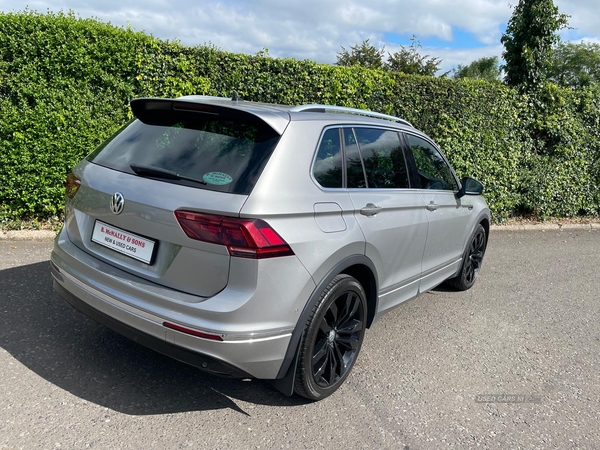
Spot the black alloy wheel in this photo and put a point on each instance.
(475, 256)
(332, 338)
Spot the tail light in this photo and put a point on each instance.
(244, 238)
(72, 185)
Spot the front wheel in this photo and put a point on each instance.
(472, 260)
(332, 338)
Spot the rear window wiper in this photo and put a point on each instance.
(157, 172)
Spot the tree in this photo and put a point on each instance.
(575, 65)
(530, 35)
(482, 69)
(365, 54)
(408, 60)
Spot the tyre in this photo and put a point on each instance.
(472, 260)
(332, 338)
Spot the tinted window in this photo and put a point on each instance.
(328, 169)
(227, 153)
(383, 158)
(355, 176)
(434, 172)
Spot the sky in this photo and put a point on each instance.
(457, 32)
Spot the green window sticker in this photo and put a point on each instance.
(217, 178)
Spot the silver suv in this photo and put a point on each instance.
(255, 240)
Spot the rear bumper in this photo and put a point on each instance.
(125, 304)
(260, 358)
(203, 362)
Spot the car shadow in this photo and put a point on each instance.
(444, 288)
(44, 333)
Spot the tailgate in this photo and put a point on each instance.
(148, 220)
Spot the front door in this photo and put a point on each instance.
(450, 219)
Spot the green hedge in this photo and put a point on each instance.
(65, 84)
(64, 87)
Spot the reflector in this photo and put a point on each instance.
(197, 333)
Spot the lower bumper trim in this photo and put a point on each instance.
(200, 361)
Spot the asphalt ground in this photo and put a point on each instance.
(513, 363)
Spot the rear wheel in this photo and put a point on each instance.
(472, 260)
(332, 338)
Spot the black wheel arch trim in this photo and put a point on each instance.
(483, 216)
(288, 367)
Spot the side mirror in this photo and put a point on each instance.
(469, 186)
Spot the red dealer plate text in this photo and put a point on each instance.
(123, 242)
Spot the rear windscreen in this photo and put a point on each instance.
(225, 154)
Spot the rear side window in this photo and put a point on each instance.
(355, 174)
(383, 158)
(373, 157)
(328, 168)
(228, 154)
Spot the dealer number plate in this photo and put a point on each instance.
(123, 242)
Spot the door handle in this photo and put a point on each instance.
(432, 206)
(370, 210)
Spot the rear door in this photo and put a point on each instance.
(389, 212)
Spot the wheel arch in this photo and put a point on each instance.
(365, 276)
(485, 222)
(357, 266)
(483, 219)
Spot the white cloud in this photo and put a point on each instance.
(315, 29)
(585, 17)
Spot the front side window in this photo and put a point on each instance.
(434, 172)
(383, 158)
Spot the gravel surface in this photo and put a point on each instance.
(529, 327)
